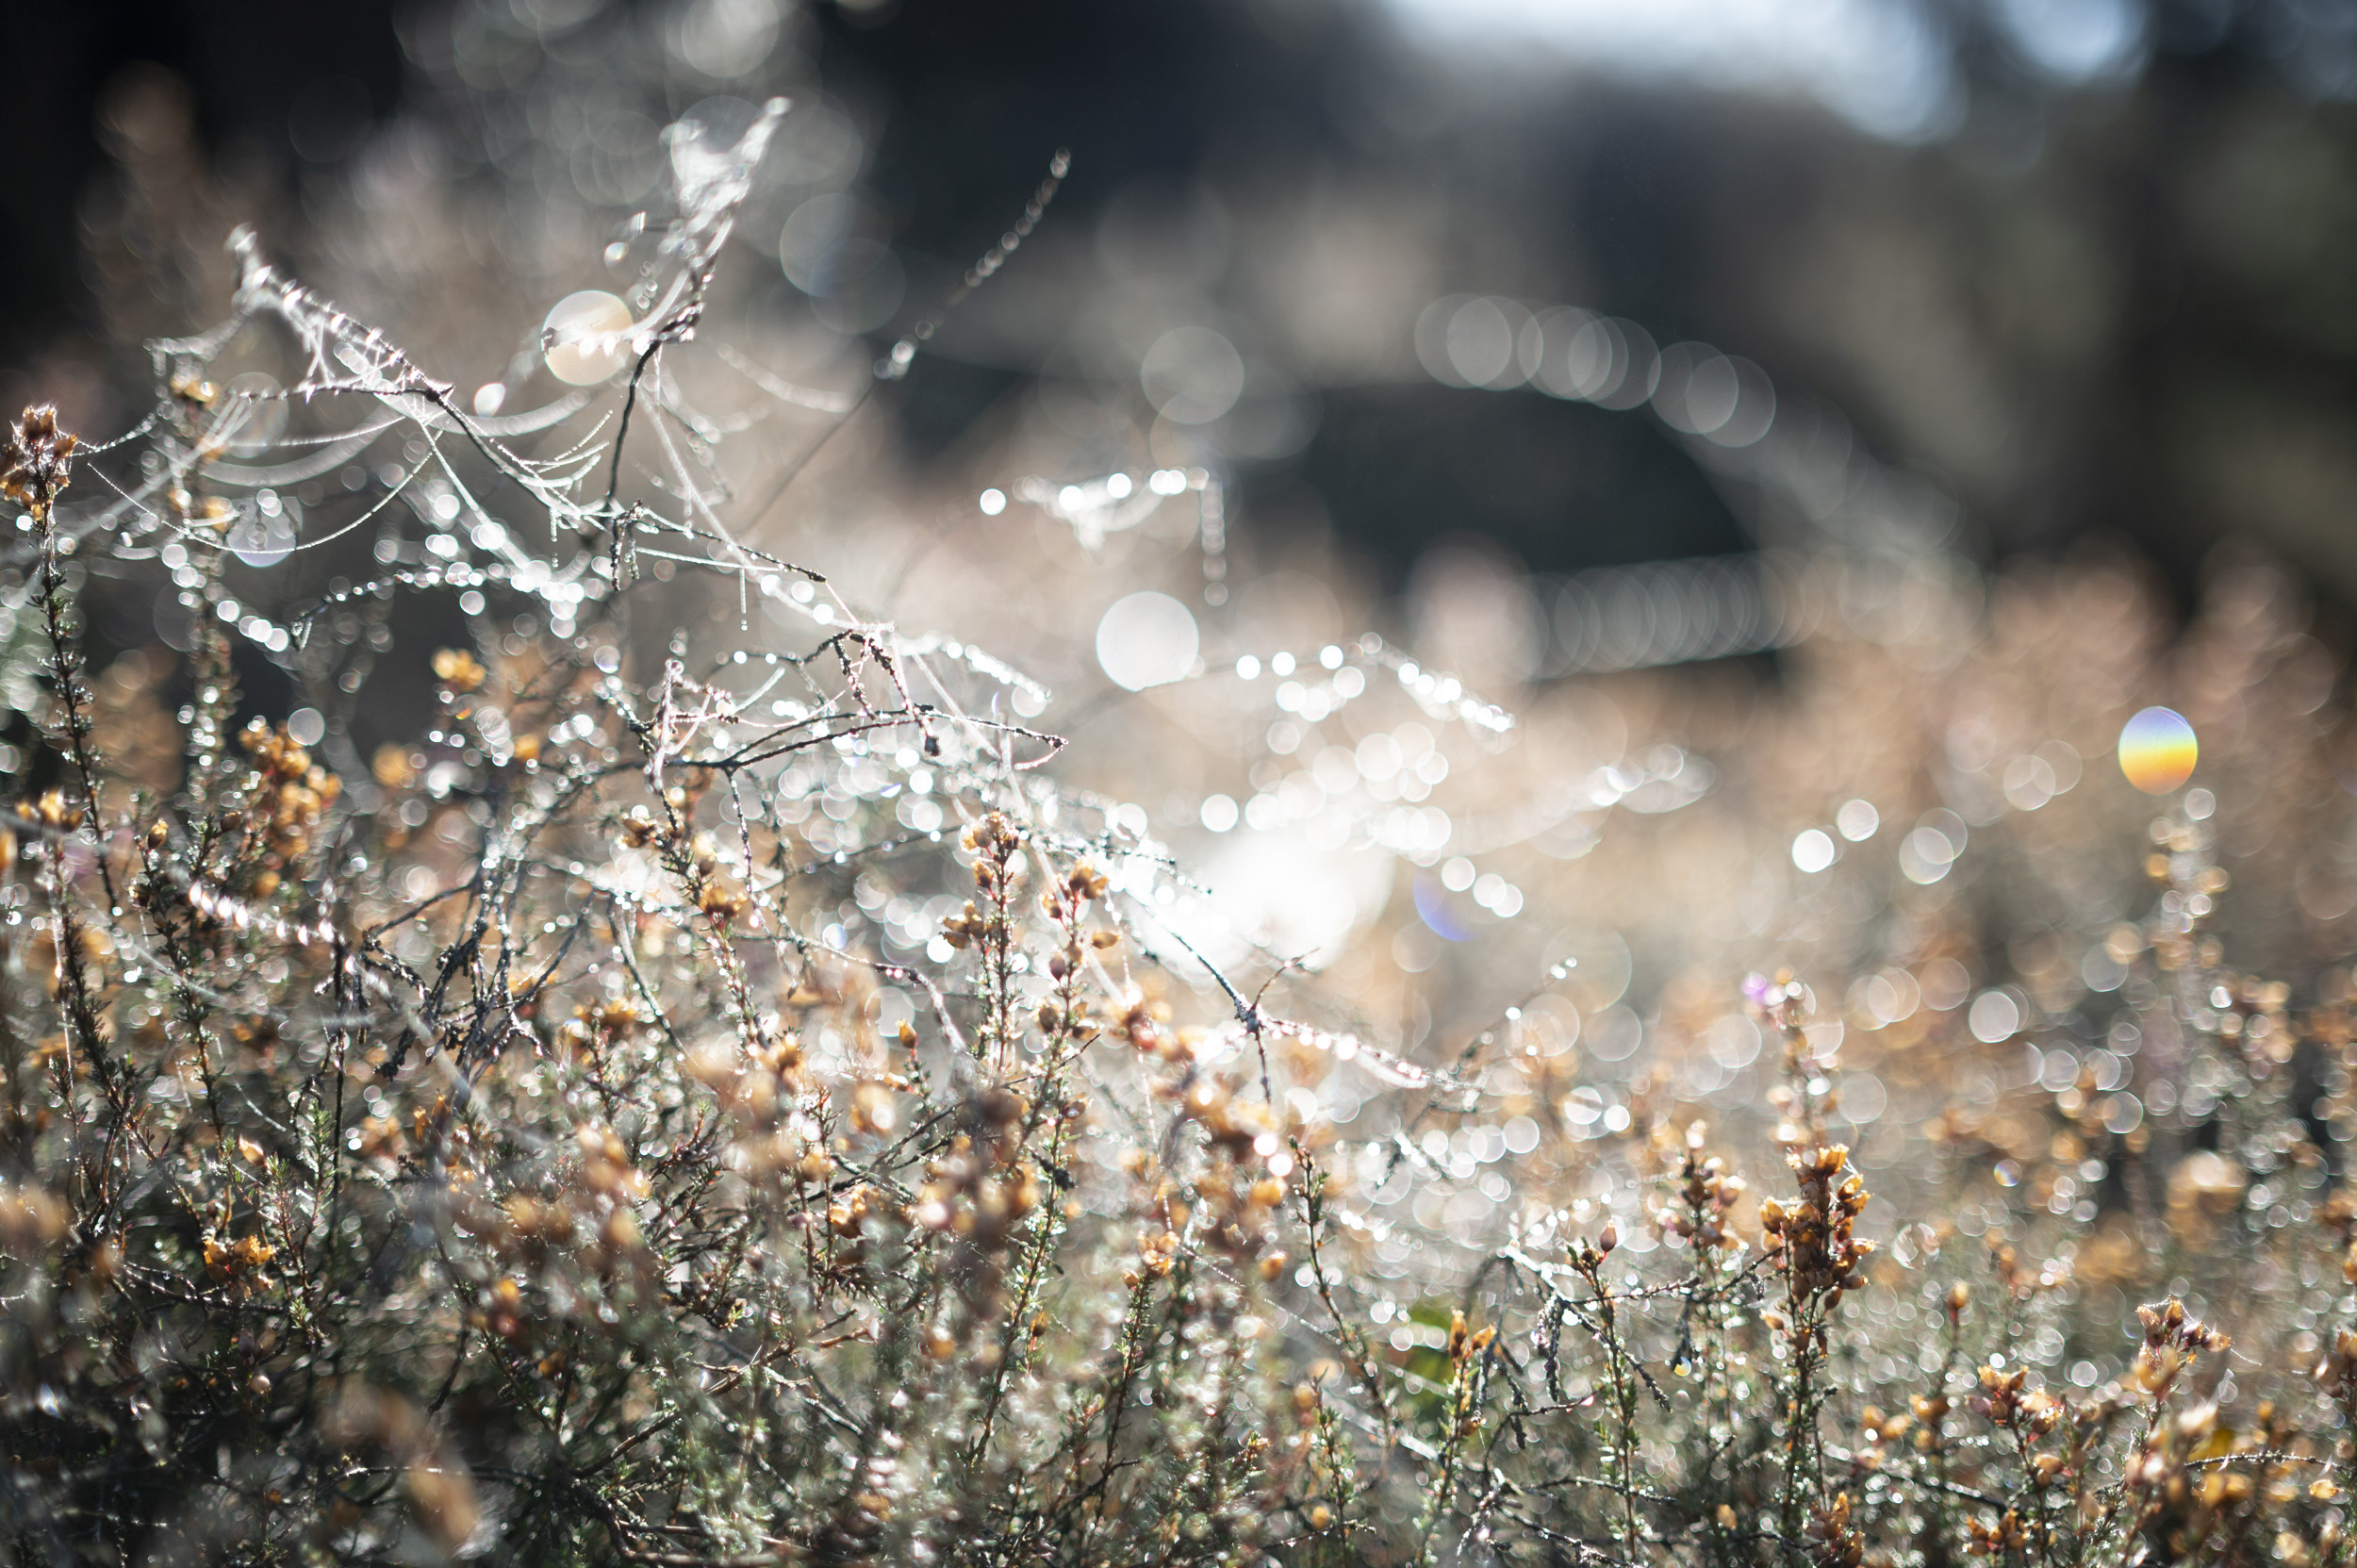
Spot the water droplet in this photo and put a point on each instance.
(582, 336)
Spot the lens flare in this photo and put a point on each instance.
(2157, 751)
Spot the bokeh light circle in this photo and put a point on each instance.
(1193, 374)
(1148, 640)
(2157, 751)
(582, 336)
(264, 533)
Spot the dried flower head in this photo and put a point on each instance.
(36, 461)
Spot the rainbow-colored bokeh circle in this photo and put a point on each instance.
(2157, 751)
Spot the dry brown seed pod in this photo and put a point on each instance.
(36, 460)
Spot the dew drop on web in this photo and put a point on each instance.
(582, 336)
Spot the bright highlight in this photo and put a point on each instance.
(582, 337)
(2157, 751)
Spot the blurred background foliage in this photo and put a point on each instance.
(2083, 264)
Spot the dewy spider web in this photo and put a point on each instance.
(221, 458)
(471, 546)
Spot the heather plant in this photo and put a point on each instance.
(749, 1078)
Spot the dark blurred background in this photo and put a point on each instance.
(2086, 267)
